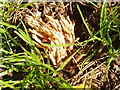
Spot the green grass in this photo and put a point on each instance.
(107, 22)
(38, 73)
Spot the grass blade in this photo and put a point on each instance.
(89, 30)
(65, 62)
(103, 17)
